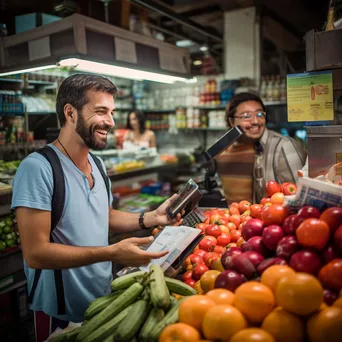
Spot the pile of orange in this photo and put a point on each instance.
(284, 306)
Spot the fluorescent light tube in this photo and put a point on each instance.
(118, 71)
(21, 71)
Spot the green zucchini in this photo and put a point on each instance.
(126, 280)
(108, 328)
(131, 324)
(120, 303)
(160, 295)
(170, 318)
(154, 317)
(99, 304)
(177, 286)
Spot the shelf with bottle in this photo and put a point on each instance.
(273, 90)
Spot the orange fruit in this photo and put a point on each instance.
(284, 326)
(221, 296)
(252, 335)
(221, 322)
(254, 300)
(207, 280)
(192, 310)
(338, 302)
(301, 294)
(325, 325)
(273, 274)
(179, 332)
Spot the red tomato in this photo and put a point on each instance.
(202, 226)
(289, 189)
(200, 252)
(235, 219)
(231, 226)
(265, 200)
(209, 257)
(195, 259)
(213, 230)
(187, 275)
(223, 240)
(330, 275)
(282, 186)
(245, 218)
(273, 214)
(255, 209)
(212, 238)
(243, 206)
(272, 187)
(207, 245)
(215, 219)
(235, 235)
(219, 250)
(241, 225)
(234, 211)
(200, 269)
(224, 228)
(190, 282)
(240, 241)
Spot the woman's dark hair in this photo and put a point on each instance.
(141, 120)
(237, 100)
(73, 90)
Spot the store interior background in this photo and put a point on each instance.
(231, 46)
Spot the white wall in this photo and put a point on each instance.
(242, 44)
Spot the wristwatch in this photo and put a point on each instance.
(141, 221)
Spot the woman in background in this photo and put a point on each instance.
(138, 134)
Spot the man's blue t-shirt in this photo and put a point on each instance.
(84, 222)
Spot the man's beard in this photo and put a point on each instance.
(88, 134)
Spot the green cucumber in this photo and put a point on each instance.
(178, 287)
(99, 304)
(131, 324)
(126, 280)
(160, 295)
(120, 303)
(170, 318)
(108, 328)
(154, 317)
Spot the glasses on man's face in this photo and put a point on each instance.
(248, 116)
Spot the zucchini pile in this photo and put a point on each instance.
(139, 308)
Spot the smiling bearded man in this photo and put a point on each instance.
(257, 157)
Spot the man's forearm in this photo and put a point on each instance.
(120, 221)
(57, 256)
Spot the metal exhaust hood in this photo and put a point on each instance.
(94, 46)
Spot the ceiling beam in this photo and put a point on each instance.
(182, 36)
(153, 6)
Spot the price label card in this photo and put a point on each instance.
(310, 96)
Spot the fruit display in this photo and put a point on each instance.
(9, 238)
(129, 165)
(141, 305)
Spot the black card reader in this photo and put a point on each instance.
(188, 198)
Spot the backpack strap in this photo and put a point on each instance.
(103, 174)
(58, 200)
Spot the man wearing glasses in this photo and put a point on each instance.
(259, 156)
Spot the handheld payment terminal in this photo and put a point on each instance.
(187, 199)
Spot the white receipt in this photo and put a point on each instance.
(173, 239)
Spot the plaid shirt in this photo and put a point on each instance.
(245, 169)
